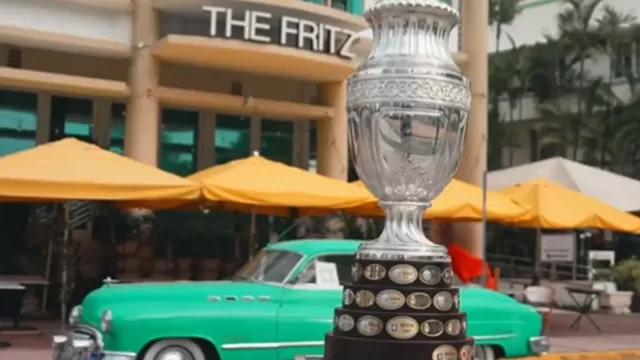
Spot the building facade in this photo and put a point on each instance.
(538, 19)
(182, 84)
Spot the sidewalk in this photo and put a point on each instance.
(595, 343)
(591, 347)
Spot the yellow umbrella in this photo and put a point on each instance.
(71, 169)
(459, 201)
(265, 186)
(556, 207)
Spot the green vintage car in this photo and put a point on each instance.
(272, 309)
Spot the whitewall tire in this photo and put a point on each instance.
(483, 353)
(171, 349)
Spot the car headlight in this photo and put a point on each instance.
(105, 321)
(75, 315)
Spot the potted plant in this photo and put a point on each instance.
(626, 275)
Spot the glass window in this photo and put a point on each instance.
(269, 266)
(352, 6)
(343, 264)
(232, 138)
(276, 140)
(116, 132)
(18, 121)
(178, 141)
(71, 117)
(624, 60)
(340, 4)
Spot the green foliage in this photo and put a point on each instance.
(626, 275)
(580, 114)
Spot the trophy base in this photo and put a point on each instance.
(343, 348)
(380, 249)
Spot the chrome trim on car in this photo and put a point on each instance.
(289, 344)
(272, 345)
(82, 340)
(539, 345)
(495, 337)
(308, 357)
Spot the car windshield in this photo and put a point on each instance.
(269, 266)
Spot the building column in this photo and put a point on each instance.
(332, 139)
(475, 35)
(101, 121)
(206, 142)
(255, 134)
(44, 118)
(142, 124)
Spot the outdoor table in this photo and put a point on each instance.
(11, 294)
(12, 305)
(584, 308)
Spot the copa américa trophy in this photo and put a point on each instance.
(408, 106)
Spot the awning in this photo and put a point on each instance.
(71, 169)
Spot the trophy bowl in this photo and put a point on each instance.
(408, 106)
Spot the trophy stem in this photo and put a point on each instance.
(403, 236)
(403, 221)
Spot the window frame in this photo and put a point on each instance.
(175, 148)
(22, 134)
(294, 279)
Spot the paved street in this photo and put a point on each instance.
(594, 343)
(619, 333)
(37, 347)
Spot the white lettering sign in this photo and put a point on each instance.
(258, 26)
(558, 247)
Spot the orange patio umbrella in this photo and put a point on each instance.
(71, 169)
(554, 206)
(260, 185)
(459, 201)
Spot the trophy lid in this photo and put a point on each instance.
(436, 7)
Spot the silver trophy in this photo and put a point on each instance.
(408, 106)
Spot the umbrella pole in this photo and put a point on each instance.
(252, 234)
(483, 277)
(537, 256)
(47, 273)
(64, 268)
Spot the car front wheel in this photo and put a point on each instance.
(174, 349)
(485, 353)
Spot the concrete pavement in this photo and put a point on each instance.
(595, 343)
(592, 347)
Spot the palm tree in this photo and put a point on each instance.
(613, 26)
(625, 146)
(552, 79)
(575, 25)
(501, 12)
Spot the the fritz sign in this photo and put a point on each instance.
(264, 27)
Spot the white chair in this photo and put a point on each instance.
(544, 299)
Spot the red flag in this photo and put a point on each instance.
(469, 267)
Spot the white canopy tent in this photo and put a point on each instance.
(616, 190)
